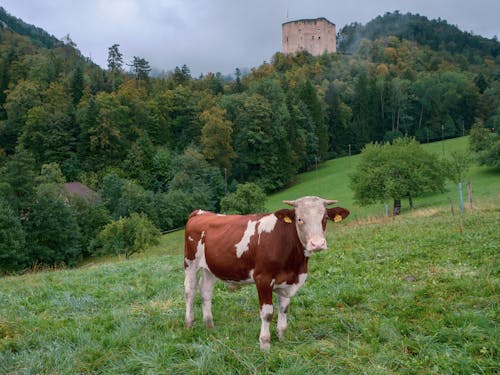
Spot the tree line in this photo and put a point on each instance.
(162, 146)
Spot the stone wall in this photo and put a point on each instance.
(313, 35)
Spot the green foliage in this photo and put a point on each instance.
(433, 33)
(18, 178)
(135, 199)
(112, 190)
(395, 171)
(127, 235)
(173, 208)
(51, 174)
(216, 137)
(457, 166)
(170, 138)
(91, 217)
(52, 232)
(139, 162)
(13, 254)
(195, 176)
(486, 145)
(248, 198)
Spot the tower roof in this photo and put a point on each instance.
(309, 20)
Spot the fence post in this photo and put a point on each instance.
(460, 197)
(386, 210)
(451, 206)
(469, 194)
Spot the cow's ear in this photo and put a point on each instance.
(337, 213)
(285, 215)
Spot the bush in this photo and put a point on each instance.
(135, 199)
(127, 236)
(91, 216)
(52, 232)
(173, 208)
(247, 198)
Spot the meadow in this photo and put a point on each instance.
(417, 294)
(331, 180)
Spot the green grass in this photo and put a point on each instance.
(418, 294)
(331, 180)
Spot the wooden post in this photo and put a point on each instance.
(469, 194)
(451, 207)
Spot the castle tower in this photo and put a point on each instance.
(313, 35)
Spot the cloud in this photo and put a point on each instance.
(219, 35)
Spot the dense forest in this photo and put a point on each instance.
(162, 146)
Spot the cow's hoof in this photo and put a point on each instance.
(209, 323)
(281, 336)
(265, 344)
(189, 324)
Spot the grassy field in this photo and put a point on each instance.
(418, 294)
(331, 180)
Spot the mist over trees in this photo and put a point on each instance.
(160, 147)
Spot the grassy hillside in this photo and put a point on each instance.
(418, 294)
(331, 180)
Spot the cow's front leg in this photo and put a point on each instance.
(283, 303)
(265, 292)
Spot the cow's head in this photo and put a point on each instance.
(309, 216)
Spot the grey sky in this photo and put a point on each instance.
(220, 35)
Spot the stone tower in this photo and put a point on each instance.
(313, 35)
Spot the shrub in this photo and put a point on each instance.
(246, 199)
(173, 208)
(52, 232)
(127, 236)
(91, 216)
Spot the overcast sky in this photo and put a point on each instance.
(220, 35)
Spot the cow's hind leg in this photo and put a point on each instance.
(190, 284)
(283, 303)
(207, 283)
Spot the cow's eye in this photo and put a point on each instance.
(300, 220)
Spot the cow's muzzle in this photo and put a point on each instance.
(316, 244)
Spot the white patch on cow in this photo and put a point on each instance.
(267, 223)
(190, 238)
(221, 215)
(200, 252)
(243, 245)
(266, 310)
(272, 282)
(265, 334)
(200, 212)
(289, 290)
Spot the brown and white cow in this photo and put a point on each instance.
(270, 250)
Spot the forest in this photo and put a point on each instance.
(158, 147)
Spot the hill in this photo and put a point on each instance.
(37, 35)
(163, 146)
(437, 34)
(415, 294)
(331, 180)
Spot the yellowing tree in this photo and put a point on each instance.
(216, 137)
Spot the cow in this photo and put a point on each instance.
(269, 250)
